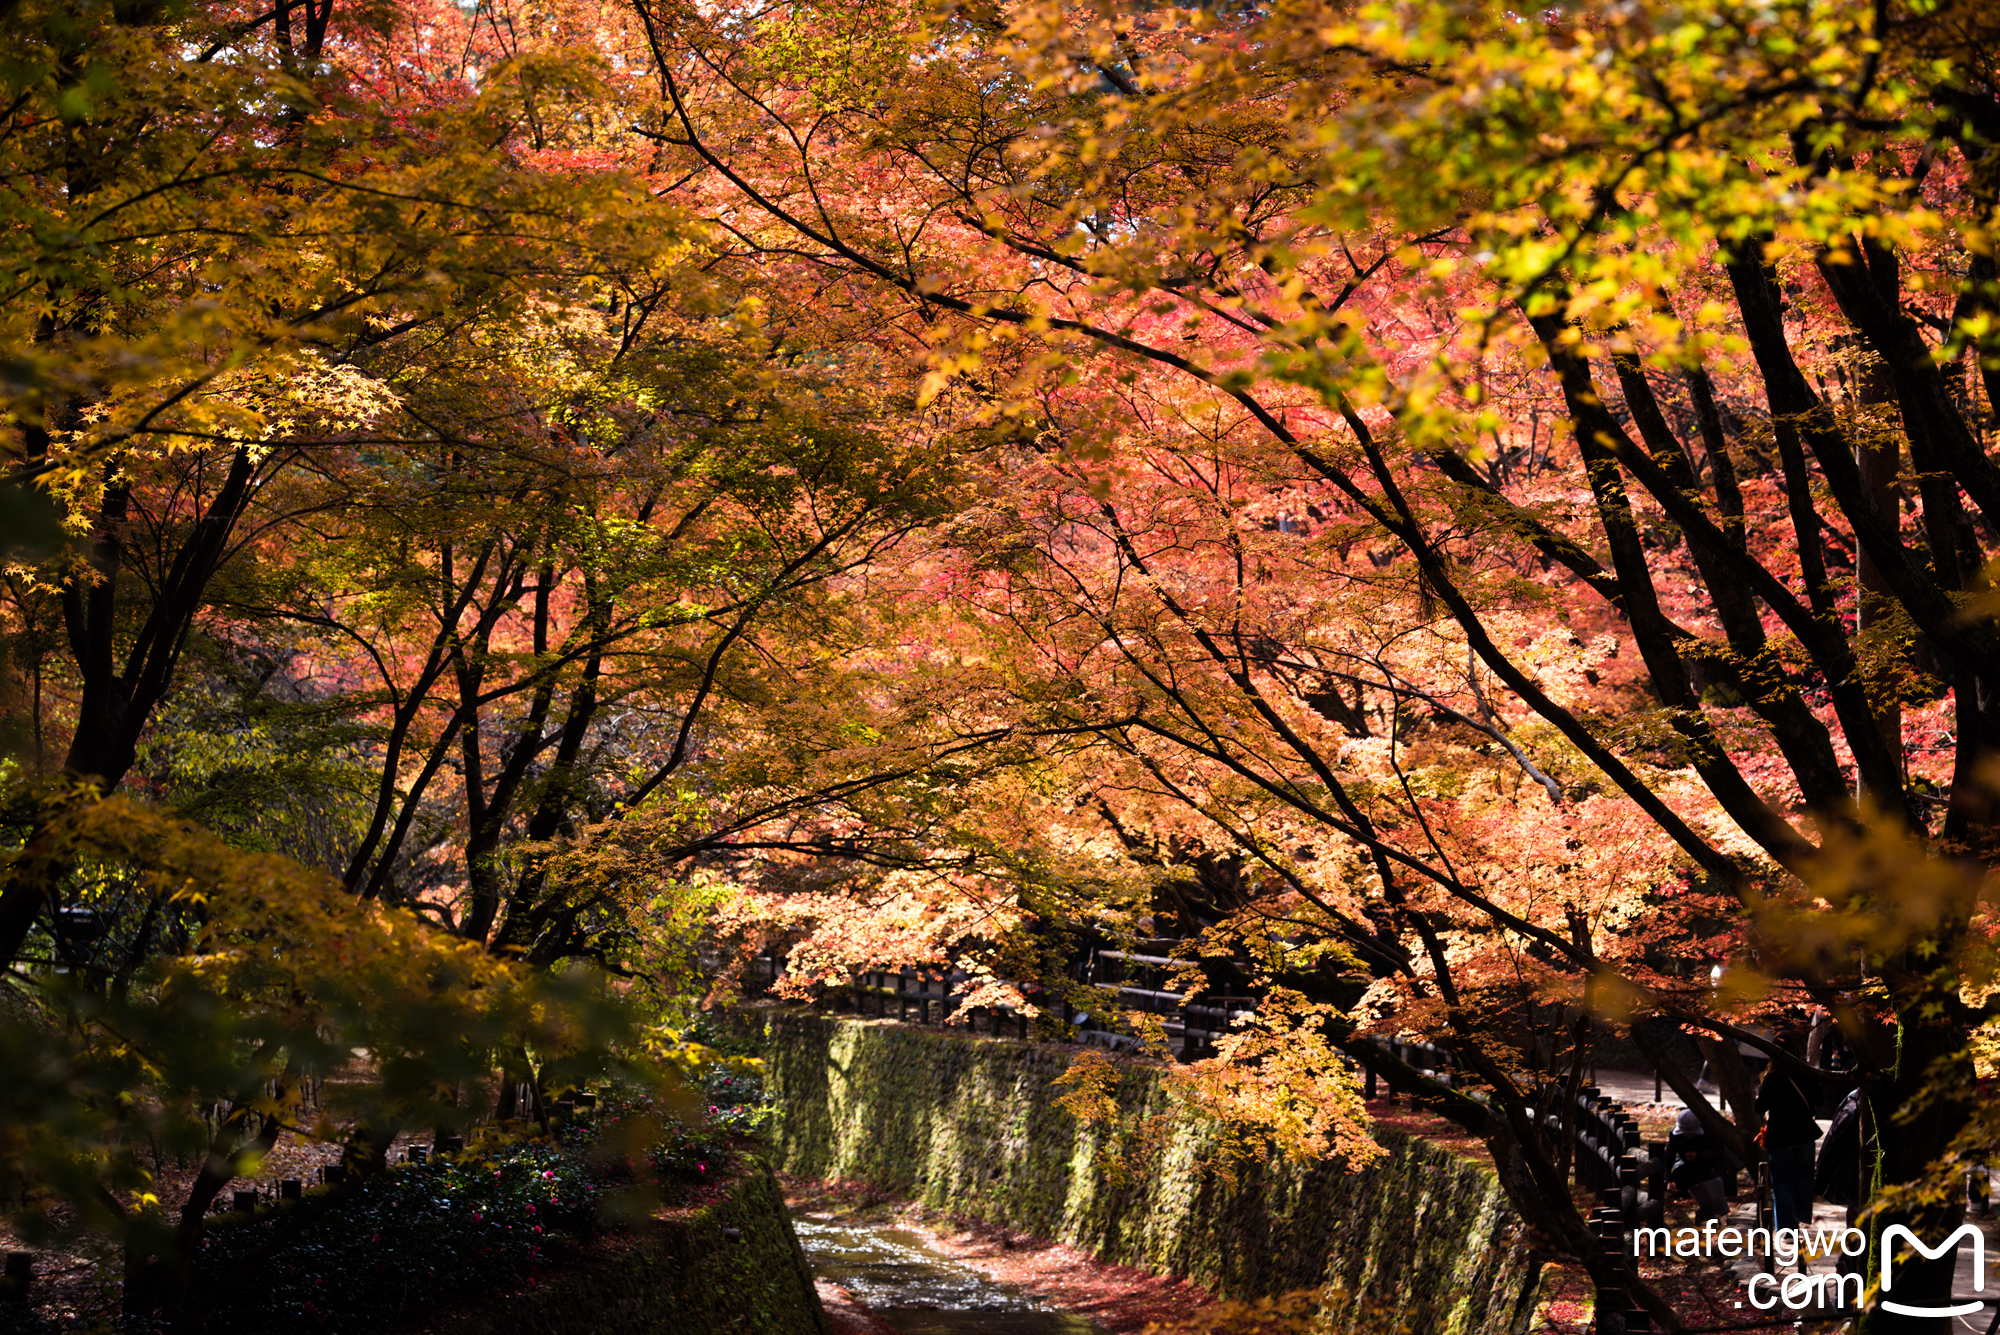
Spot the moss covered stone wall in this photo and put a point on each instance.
(733, 1268)
(971, 1125)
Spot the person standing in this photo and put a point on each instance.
(1789, 1133)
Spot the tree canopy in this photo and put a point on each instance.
(1467, 522)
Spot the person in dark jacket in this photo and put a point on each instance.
(1789, 1133)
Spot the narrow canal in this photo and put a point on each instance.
(918, 1291)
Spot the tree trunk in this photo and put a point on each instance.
(1915, 1123)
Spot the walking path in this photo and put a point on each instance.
(1635, 1090)
(1830, 1220)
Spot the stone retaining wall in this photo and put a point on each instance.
(1421, 1240)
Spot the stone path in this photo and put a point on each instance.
(1635, 1090)
(1832, 1219)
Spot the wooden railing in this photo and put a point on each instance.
(1132, 980)
(1629, 1175)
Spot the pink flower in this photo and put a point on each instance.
(701, 1168)
(538, 1228)
(531, 1209)
(548, 1173)
(476, 1216)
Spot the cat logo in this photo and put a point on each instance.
(1945, 1248)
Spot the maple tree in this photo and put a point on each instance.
(490, 515)
(217, 237)
(211, 224)
(1457, 463)
(1467, 520)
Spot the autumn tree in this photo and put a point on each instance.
(214, 220)
(434, 506)
(603, 564)
(213, 225)
(1282, 308)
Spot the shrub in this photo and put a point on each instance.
(736, 1102)
(414, 1235)
(689, 1157)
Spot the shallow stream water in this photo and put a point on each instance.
(918, 1291)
